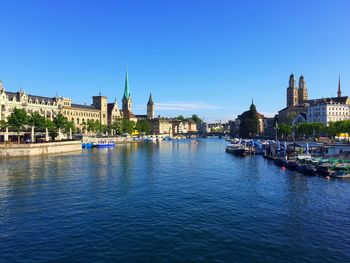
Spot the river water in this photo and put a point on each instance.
(169, 202)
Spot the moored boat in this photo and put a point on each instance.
(306, 169)
(279, 162)
(324, 169)
(105, 144)
(238, 149)
(291, 165)
(340, 174)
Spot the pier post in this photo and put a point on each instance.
(6, 136)
(32, 139)
(46, 134)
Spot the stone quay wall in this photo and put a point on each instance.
(35, 149)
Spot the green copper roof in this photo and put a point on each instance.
(126, 90)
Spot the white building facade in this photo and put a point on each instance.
(328, 111)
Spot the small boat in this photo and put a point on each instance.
(279, 162)
(238, 149)
(105, 144)
(87, 145)
(306, 169)
(291, 165)
(324, 169)
(340, 174)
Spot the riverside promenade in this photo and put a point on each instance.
(35, 149)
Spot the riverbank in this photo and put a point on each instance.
(36, 149)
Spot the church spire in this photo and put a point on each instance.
(150, 101)
(339, 90)
(126, 89)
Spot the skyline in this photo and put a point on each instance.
(209, 59)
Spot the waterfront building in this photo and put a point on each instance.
(45, 106)
(328, 110)
(203, 128)
(100, 110)
(80, 114)
(113, 112)
(161, 126)
(184, 127)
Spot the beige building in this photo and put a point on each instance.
(100, 110)
(161, 126)
(45, 106)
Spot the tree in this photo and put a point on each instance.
(69, 126)
(103, 128)
(17, 120)
(3, 124)
(196, 119)
(127, 126)
(116, 126)
(60, 123)
(284, 130)
(36, 120)
(143, 126)
(180, 118)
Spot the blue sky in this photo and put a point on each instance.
(205, 57)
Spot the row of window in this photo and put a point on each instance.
(36, 102)
(82, 114)
(329, 113)
(82, 120)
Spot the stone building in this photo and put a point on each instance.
(329, 110)
(80, 114)
(297, 98)
(161, 126)
(100, 110)
(295, 95)
(45, 106)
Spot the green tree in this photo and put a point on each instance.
(36, 120)
(60, 122)
(3, 124)
(103, 128)
(143, 126)
(17, 120)
(117, 126)
(284, 130)
(69, 125)
(180, 118)
(127, 126)
(196, 119)
(90, 126)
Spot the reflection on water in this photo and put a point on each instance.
(183, 200)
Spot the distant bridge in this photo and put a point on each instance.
(214, 133)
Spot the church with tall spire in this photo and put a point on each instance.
(126, 101)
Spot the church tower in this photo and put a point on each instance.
(150, 108)
(302, 91)
(292, 92)
(339, 90)
(126, 102)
